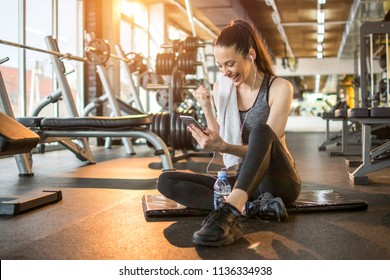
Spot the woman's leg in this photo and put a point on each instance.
(190, 189)
(268, 167)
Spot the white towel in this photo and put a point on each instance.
(229, 118)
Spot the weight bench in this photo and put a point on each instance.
(372, 159)
(342, 137)
(17, 139)
(64, 130)
(80, 127)
(329, 138)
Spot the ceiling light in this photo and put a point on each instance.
(321, 2)
(320, 38)
(320, 55)
(320, 48)
(320, 16)
(321, 29)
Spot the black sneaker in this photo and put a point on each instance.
(267, 207)
(220, 228)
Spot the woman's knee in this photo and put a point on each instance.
(163, 182)
(263, 131)
(262, 128)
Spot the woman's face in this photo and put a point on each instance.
(233, 64)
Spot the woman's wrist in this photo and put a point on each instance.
(207, 109)
(223, 148)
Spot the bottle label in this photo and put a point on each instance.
(222, 190)
(220, 201)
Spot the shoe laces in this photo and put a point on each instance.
(260, 208)
(219, 215)
(265, 207)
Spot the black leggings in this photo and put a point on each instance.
(267, 167)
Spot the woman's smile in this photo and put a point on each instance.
(235, 78)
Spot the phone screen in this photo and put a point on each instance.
(188, 120)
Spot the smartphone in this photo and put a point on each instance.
(188, 120)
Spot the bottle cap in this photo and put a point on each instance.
(222, 173)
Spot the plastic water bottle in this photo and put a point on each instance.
(222, 189)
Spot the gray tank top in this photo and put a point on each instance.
(259, 111)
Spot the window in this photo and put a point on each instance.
(41, 20)
(9, 32)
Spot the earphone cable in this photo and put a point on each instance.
(208, 166)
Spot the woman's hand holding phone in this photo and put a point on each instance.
(188, 120)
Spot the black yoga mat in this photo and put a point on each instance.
(308, 201)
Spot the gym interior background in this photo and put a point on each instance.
(145, 58)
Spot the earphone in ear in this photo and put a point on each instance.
(251, 57)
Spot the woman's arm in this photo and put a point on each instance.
(280, 98)
(202, 95)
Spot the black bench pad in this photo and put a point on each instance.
(88, 123)
(380, 112)
(327, 115)
(358, 113)
(376, 112)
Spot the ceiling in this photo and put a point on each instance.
(298, 21)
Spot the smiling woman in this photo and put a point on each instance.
(248, 130)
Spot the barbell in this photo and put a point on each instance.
(97, 51)
(60, 55)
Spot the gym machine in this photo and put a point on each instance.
(374, 42)
(349, 135)
(84, 127)
(343, 137)
(166, 125)
(17, 140)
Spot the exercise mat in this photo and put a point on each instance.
(308, 201)
(158, 205)
(325, 200)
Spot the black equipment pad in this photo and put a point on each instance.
(15, 205)
(328, 115)
(358, 113)
(325, 200)
(380, 112)
(160, 206)
(101, 123)
(308, 201)
(88, 123)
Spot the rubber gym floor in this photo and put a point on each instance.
(100, 216)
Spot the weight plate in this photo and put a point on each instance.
(97, 51)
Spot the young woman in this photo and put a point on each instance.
(252, 111)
